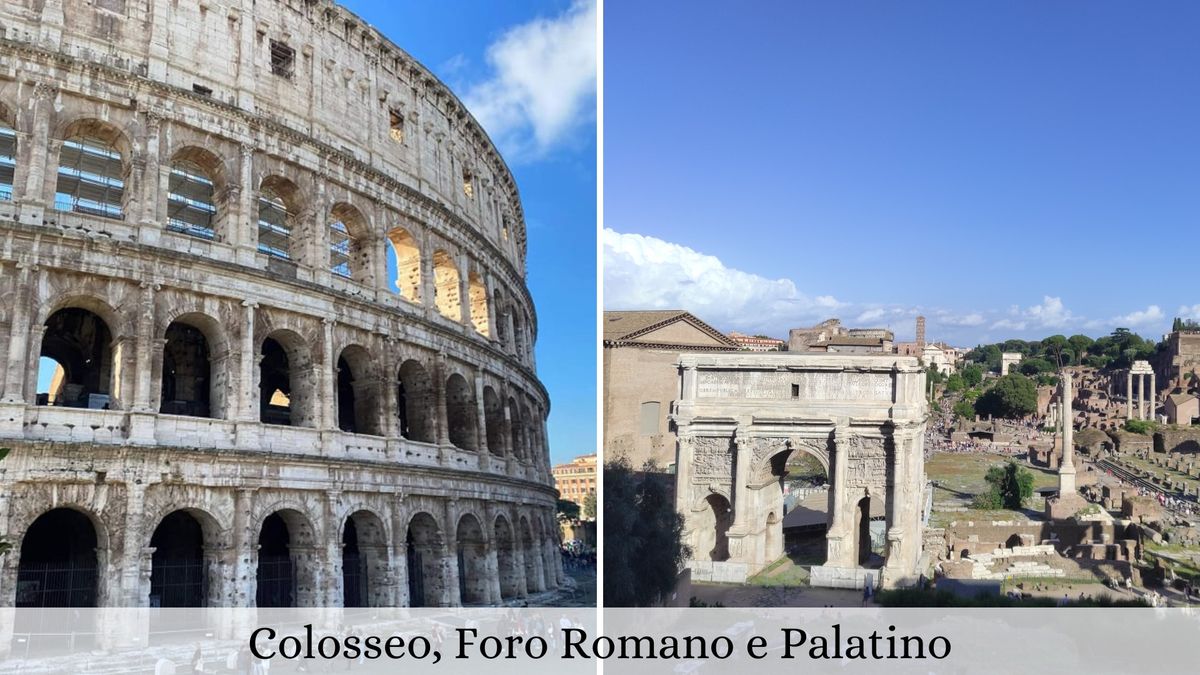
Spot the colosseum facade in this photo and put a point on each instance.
(265, 334)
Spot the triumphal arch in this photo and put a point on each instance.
(741, 416)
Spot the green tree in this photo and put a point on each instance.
(589, 506)
(1009, 487)
(972, 375)
(955, 382)
(1080, 344)
(567, 510)
(1053, 348)
(964, 410)
(643, 537)
(1036, 366)
(1013, 396)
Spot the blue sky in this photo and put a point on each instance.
(1006, 169)
(526, 70)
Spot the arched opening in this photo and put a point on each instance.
(794, 507)
(404, 264)
(717, 547)
(348, 232)
(192, 194)
(59, 564)
(8, 158)
(285, 392)
(506, 560)
(186, 372)
(479, 304)
(364, 561)
(472, 562)
(276, 573)
(493, 419)
(865, 554)
(461, 413)
(277, 210)
(446, 290)
(356, 398)
(416, 403)
(534, 581)
(77, 365)
(178, 574)
(425, 583)
(91, 171)
(354, 573)
(517, 430)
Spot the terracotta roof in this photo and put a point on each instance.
(626, 326)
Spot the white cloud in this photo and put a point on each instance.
(544, 82)
(966, 320)
(871, 315)
(1050, 314)
(1142, 317)
(1009, 324)
(643, 272)
(1192, 312)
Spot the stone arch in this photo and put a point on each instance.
(721, 514)
(357, 395)
(426, 553)
(184, 570)
(278, 215)
(461, 413)
(287, 389)
(493, 420)
(477, 294)
(78, 340)
(217, 373)
(93, 169)
(197, 194)
(447, 291)
(506, 559)
(416, 402)
(350, 244)
(473, 577)
(534, 579)
(365, 567)
(287, 560)
(404, 264)
(62, 559)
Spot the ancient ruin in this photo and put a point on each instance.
(1142, 406)
(739, 419)
(266, 331)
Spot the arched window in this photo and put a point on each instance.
(479, 304)
(77, 366)
(446, 286)
(191, 206)
(339, 249)
(404, 264)
(276, 217)
(91, 178)
(8, 161)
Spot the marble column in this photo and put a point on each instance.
(1066, 471)
(1153, 396)
(1129, 395)
(1140, 406)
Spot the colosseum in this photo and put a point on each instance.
(266, 335)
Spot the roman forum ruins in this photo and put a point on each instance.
(273, 274)
(739, 418)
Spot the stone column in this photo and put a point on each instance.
(493, 329)
(1153, 396)
(439, 384)
(34, 190)
(1129, 395)
(480, 422)
(150, 224)
(248, 401)
(145, 338)
(839, 552)
(327, 395)
(1066, 471)
(18, 338)
(245, 230)
(451, 596)
(743, 455)
(464, 292)
(334, 595)
(132, 593)
(1140, 398)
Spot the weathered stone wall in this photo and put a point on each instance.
(1185, 440)
(408, 396)
(633, 376)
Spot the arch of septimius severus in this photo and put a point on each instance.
(739, 417)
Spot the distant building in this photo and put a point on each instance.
(832, 337)
(756, 343)
(1179, 363)
(576, 479)
(641, 380)
(1182, 408)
